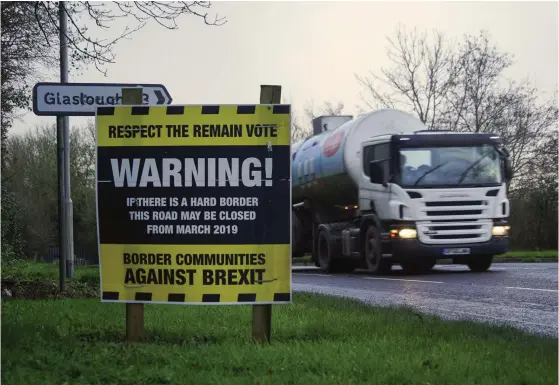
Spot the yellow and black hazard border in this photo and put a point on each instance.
(202, 122)
(146, 297)
(179, 131)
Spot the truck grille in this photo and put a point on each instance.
(452, 231)
(455, 221)
(458, 209)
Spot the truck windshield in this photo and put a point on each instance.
(449, 166)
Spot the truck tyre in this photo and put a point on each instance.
(324, 254)
(373, 250)
(326, 261)
(481, 263)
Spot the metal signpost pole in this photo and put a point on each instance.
(134, 311)
(68, 227)
(262, 314)
(62, 149)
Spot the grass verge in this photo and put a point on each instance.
(533, 254)
(316, 340)
(529, 256)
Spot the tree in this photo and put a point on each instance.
(534, 201)
(423, 72)
(23, 52)
(528, 127)
(30, 38)
(29, 225)
(461, 87)
(445, 84)
(30, 46)
(476, 98)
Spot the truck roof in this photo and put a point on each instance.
(447, 138)
(442, 137)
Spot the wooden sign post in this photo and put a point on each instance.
(262, 314)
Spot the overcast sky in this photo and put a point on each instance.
(313, 49)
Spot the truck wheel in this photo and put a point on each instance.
(480, 264)
(373, 260)
(323, 251)
(326, 260)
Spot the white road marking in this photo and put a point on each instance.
(399, 279)
(531, 288)
(535, 304)
(458, 267)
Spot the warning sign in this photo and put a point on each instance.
(194, 204)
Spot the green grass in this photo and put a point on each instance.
(306, 260)
(532, 254)
(23, 270)
(316, 340)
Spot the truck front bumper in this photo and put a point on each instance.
(406, 249)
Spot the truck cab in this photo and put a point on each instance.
(436, 195)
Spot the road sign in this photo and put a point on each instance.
(194, 204)
(82, 99)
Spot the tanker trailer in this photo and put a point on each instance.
(381, 190)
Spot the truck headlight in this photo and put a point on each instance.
(407, 233)
(500, 231)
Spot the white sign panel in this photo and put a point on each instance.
(82, 99)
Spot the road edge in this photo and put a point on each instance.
(496, 260)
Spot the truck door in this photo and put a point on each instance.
(373, 192)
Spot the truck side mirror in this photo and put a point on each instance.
(376, 174)
(508, 169)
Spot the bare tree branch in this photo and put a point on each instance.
(30, 38)
(419, 79)
(462, 87)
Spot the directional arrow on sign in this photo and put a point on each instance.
(159, 96)
(82, 99)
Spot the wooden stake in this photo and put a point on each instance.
(261, 323)
(262, 314)
(134, 322)
(134, 311)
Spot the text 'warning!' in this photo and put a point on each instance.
(194, 204)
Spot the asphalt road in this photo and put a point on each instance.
(523, 295)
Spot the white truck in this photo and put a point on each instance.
(381, 189)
